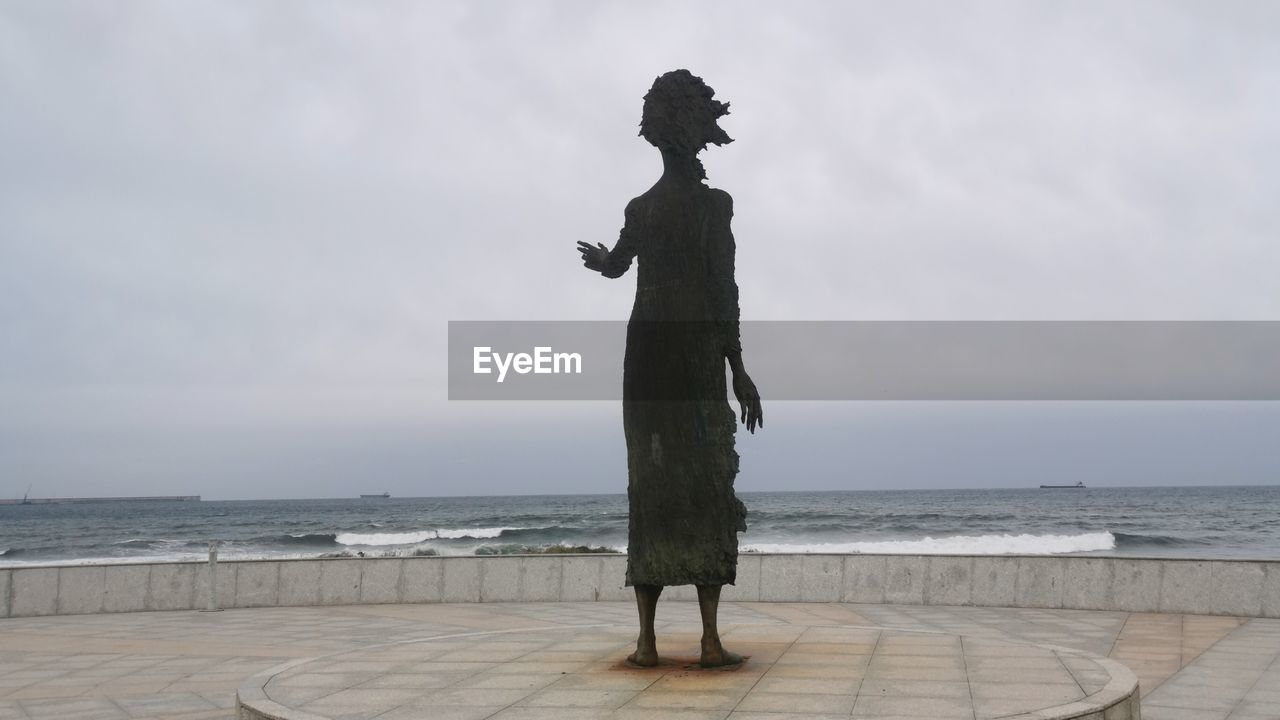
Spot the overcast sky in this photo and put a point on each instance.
(231, 234)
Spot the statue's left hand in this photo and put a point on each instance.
(748, 399)
(593, 257)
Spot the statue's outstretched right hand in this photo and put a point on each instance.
(593, 257)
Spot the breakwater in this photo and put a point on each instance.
(1211, 587)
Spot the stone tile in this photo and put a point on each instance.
(454, 712)
(746, 587)
(913, 688)
(654, 701)
(521, 712)
(915, 671)
(541, 575)
(164, 705)
(938, 708)
(905, 577)
(627, 712)
(817, 671)
(743, 715)
(1256, 711)
(1045, 693)
(330, 680)
(300, 583)
(606, 680)
(423, 580)
(33, 591)
(364, 699)
(580, 578)
(1157, 712)
(81, 589)
(1236, 588)
(225, 584)
(510, 681)
(757, 701)
(94, 708)
(297, 696)
(780, 578)
(257, 584)
(726, 682)
(864, 577)
(501, 579)
(1136, 585)
(994, 581)
(380, 580)
(1087, 583)
(461, 579)
(559, 698)
(950, 581)
(340, 581)
(1271, 591)
(821, 578)
(1207, 699)
(171, 586)
(1040, 582)
(475, 696)
(1187, 587)
(811, 686)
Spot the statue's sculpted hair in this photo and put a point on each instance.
(680, 114)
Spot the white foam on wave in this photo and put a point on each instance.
(409, 538)
(955, 545)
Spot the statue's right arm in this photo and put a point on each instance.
(615, 263)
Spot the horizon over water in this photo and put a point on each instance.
(1236, 521)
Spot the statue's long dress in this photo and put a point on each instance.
(684, 516)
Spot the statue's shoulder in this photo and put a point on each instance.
(638, 203)
(643, 200)
(721, 198)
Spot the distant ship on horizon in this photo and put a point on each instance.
(379, 495)
(1077, 486)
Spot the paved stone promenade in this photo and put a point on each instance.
(187, 665)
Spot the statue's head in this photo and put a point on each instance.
(680, 115)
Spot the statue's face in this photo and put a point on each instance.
(680, 114)
(687, 128)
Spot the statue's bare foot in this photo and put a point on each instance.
(646, 654)
(714, 655)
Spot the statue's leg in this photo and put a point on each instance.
(713, 653)
(646, 653)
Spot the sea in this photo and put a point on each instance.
(1209, 522)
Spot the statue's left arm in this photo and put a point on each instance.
(724, 286)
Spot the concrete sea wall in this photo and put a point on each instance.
(1209, 587)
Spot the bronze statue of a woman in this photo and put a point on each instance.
(684, 516)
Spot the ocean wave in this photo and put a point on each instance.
(156, 543)
(1140, 540)
(410, 538)
(319, 539)
(956, 545)
(558, 548)
(141, 543)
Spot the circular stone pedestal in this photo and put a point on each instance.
(573, 673)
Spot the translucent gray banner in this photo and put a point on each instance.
(837, 360)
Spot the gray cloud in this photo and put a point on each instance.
(237, 215)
